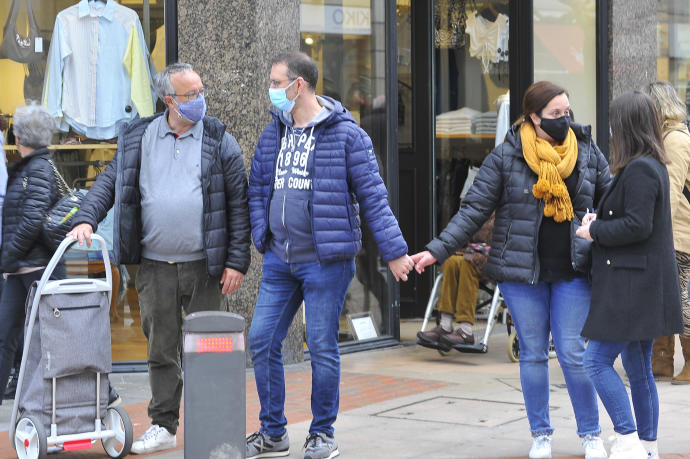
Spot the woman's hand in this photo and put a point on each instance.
(422, 260)
(589, 218)
(583, 231)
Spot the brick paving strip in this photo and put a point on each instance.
(356, 391)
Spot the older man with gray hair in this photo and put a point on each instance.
(179, 188)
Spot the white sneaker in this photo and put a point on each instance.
(157, 438)
(652, 449)
(594, 447)
(627, 446)
(541, 447)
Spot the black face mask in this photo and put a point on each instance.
(557, 128)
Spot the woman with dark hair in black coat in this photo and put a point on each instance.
(635, 286)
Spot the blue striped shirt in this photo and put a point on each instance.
(88, 85)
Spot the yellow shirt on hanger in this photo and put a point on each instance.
(12, 76)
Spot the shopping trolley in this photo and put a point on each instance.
(62, 390)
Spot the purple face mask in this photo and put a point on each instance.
(193, 110)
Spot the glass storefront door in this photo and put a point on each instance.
(471, 86)
(347, 40)
(565, 53)
(673, 59)
(81, 155)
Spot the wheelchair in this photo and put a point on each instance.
(497, 312)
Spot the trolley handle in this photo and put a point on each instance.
(66, 244)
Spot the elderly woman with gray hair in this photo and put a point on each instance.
(31, 191)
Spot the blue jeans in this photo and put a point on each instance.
(322, 286)
(637, 361)
(561, 309)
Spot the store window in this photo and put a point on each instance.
(347, 40)
(673, 58)
(471, 94)
(565, 52)
(91, 64)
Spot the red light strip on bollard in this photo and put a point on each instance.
(215, 344)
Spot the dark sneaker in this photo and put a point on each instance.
(114, 398)
(432, 338)
(458, 337)
(320, 446)
(261, 445)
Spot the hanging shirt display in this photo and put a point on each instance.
(97, 75)
(488, 40)
(503, 119)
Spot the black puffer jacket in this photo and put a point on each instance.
(31, 192)
(224, 187)
(504, 184)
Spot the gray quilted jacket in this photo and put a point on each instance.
(224, 186)
(504, 184)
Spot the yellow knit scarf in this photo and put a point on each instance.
(552, 164)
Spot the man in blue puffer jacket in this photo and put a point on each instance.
(312, 170)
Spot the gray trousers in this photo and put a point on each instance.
(167, 292)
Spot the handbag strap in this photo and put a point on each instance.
(62, 185)
(14, 14)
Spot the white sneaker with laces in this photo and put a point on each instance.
(541, 447)
(157, 438)
(652, 449)
(627, 446)
(594, 447)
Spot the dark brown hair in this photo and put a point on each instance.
(299, 64)
(3, 122)
(636, 129)
(538, 96)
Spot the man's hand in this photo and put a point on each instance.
(81, 233)
(422, 260)
(231, 281)
(400, 267)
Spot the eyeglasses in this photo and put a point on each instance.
(275, 84)
(191, 95)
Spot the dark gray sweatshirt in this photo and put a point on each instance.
(290, 207)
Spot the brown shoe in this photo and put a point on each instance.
(458, 337)
(431, 338)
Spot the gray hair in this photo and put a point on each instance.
(164, 86)
(34, 125)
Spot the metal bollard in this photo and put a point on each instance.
(214, 386)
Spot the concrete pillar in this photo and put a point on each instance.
(231, 44)
(632, 44)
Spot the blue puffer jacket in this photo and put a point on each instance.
(345, 177)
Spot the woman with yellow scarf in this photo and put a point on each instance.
(540, 182)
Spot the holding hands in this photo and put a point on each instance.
(422, 260)
(400, 267)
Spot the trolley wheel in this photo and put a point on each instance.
(117, 419)
(514, 347)
(30, 439)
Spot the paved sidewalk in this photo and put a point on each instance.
(411, 402)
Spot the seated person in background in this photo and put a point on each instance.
(459, 291)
